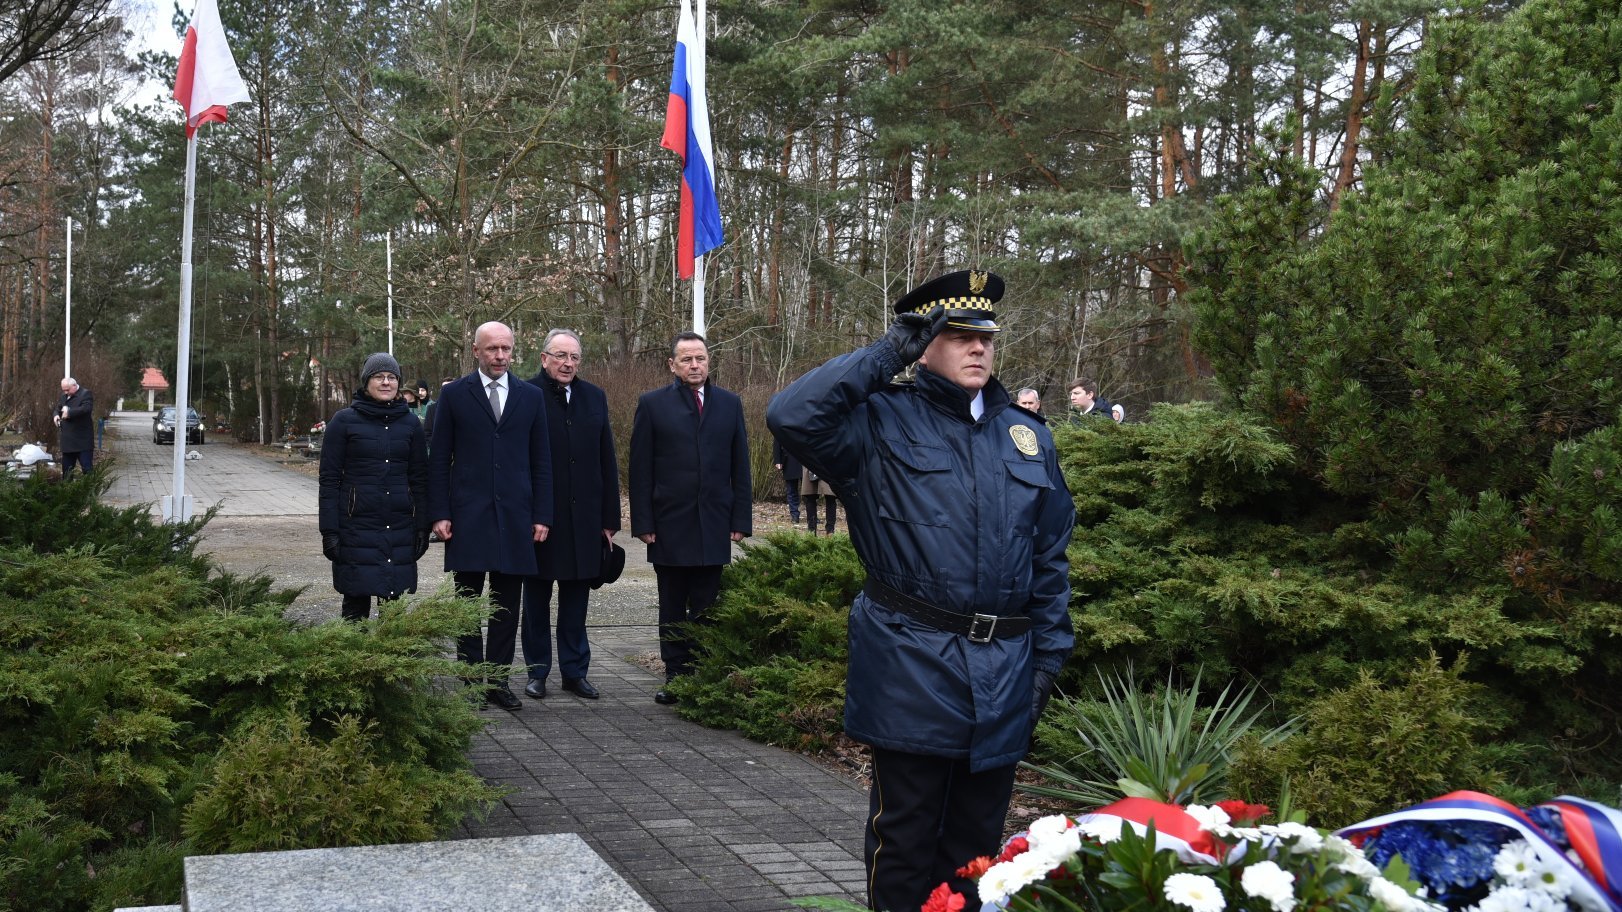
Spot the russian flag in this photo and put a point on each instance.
(687, 133)
(207, 81)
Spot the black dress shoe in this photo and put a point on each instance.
(580, 687)
(665, 697)
(502, 697)
(535, 689)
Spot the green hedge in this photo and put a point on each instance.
(152, 708)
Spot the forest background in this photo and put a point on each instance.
(508, 151)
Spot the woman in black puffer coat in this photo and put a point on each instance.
(374, 492)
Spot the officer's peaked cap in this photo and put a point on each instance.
(969, 296)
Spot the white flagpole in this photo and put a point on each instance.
(388, 269)
(177, 507)
(698, 261)
(67, 319)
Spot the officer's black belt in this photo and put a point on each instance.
(979, 628)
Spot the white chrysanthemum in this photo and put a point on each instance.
(1045, 827)
(1394, 897)
(1102, 828)
(1516, 862)
(1520, 899)
(1266, 880)
(998, 883)
(1195, 892)
(1554, 882)
(1306, 839)
(1208, 818)
(1352, 861)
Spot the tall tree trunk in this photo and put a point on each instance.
(1354, 116)
(613, 266)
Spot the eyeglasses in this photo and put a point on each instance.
(571, 357)
(386, 378)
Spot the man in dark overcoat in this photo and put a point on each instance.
(789, 465)
(960, 516)
(76, 428)
(690, 493)
(490, 493)
(586, 513)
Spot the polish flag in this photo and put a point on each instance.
(687, 133)
(208, 80)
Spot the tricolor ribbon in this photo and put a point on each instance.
(1174, 828)
(1596, 827)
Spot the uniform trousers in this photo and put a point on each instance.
(574, 652)
(685, 594)
(506, 593)
(927, 817)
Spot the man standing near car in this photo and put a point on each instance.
(76, 432)
(960, 515)
(490, 493)
(586, 514)
(690, 494)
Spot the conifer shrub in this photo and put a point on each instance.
(137, 683)
(773, 652)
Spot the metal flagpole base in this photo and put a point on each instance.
(170, 514)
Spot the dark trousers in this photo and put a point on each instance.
(506, 593)
(927, 817)
(685, 594)
(357, 607)
(574, 653)
(829, 501)
(80, 458)
(793, 485)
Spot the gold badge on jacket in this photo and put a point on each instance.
(1024, 439)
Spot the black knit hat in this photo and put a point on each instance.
(380, 363)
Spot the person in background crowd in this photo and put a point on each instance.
(374, 492)
(1117, 412)
(586, 514)
(811, 488)
(428, 413)
(1085, 401)
(490, 494)
(409, 397)
(790, 467)
(690, 494)
(1029, 400)
(76, 429)
(959, 513)
(423, 401)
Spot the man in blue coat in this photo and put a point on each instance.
(586, 505)
(690, 493)
(960, 515)
(490, 493)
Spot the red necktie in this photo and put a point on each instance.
(700, 400)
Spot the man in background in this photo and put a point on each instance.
(1029, 400)
(586, 514)
(690, 494)
(76, 428)
(1085, 401)
(490, 494)
(790, 467)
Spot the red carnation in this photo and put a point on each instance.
(1016, 847)
(976, 869)
(1242, 814)
(944, 900)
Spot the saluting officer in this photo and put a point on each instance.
(960, 515)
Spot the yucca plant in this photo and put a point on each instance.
(1163, 746)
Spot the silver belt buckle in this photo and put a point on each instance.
(990, 622)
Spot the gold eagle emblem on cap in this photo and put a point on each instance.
(1024, 439)
(977, 282)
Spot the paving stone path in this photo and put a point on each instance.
(693, 818)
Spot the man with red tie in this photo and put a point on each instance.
(690, 493)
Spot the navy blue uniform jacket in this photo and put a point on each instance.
(492, 481)
(690, 475)
(374, 494)
(585, 480)
(970, 516)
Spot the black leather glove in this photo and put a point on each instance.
(1039, 699)
(329, 545)
(422, 543)
(910, 334)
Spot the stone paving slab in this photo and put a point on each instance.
(523, 874)
(694, 819)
